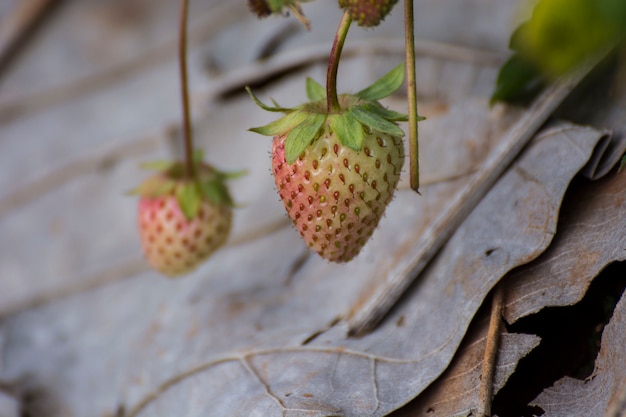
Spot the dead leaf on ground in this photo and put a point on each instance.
(257, 330)
(591, 234)
(456, 392)
(594, 396)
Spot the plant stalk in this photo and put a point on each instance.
(333, 64)
(492, 344)
(409, 39)
(184, 87)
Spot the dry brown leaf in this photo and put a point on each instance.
(456, 392)
(593, 397)
(591, 234)
(248, 336)
(254, 331)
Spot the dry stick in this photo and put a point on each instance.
(406, 271)
(18, 24)
(184, 87)
(409, 46)
(485, 396)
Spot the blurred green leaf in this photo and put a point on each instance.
(559, 36)
(518, 81)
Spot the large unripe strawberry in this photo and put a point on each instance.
(182, 220)
(336, 195)
(336, 172)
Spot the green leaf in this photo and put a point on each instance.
(375, 122)
(264, 106)
(302, 135)
(164, 187)
(622, 164)
(153, 187)
(516, 40)
(188, 199)
(160, 165)
(518, 81)
(562, 33)
(392, 116)
(282, 125)
(385, 86)
(559, 35)
(348, 130)
(314, 90)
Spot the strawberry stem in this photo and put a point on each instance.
(184, 87)
(409, 39)
(333, 64)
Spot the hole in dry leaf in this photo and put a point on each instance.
(570, 344)
(489, 251)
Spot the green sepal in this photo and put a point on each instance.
(232, 175)
(159, 165)
(189, 198)
(154, 187)
(216, 192)
(348, 130)
(282, 125)
(385, 86)
(392, 116)
(314, 90)
(302, 135)
(197, 156)
(375, 122)
(264, 106)
(166, 166)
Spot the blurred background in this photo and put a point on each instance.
(90, 88)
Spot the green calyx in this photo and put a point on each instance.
(207, 184)
(359, 114)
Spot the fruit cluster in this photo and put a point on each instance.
(336, 160)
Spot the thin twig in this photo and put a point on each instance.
(490, 359)
(409, 41)
(184, 87)
(18, 24)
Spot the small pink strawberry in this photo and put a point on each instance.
(368, 13)
(336, 172)
(183, 220)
